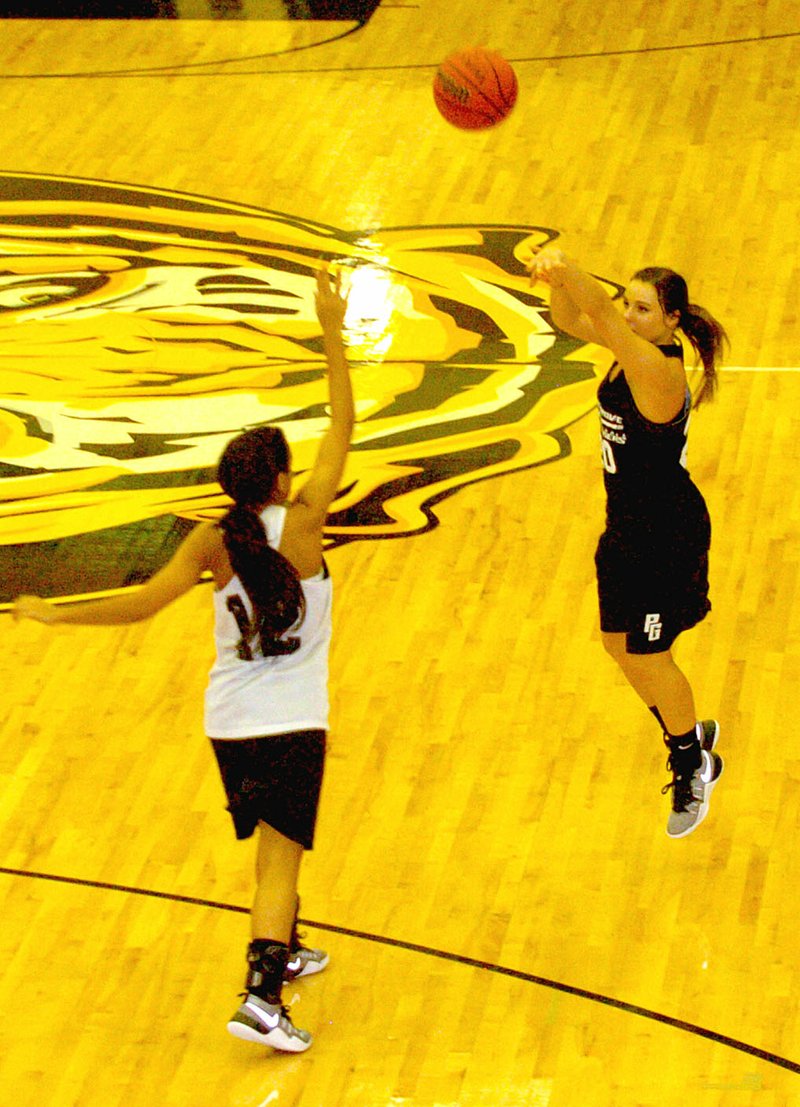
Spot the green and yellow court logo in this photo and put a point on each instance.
(141, 329)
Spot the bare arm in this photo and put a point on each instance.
(547, 267)
(323, 483)
(588, 312)
(180, 574)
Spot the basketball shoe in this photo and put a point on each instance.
(304, 961)
(691, 792)
(709, 733)
(258, 1020)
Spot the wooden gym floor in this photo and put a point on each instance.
(508, 923)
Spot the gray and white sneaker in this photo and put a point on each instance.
(691, 795)
(269, 1024)
(708, 734)
(304, 961)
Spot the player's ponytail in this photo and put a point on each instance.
(706, 335)
(708, 339)
(248, 472)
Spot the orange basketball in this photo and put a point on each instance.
(475, 88)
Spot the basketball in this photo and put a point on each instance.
(475, 88)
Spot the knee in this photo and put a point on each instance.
(644, 669)
(275, 848)
(635, 666)
(615, 646)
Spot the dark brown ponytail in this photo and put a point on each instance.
(248, 471)
(708, 338)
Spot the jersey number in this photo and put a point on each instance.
(609, 461)
(270, 647)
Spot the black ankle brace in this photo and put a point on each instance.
(266, 960)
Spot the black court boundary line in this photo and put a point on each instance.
(636, 51)
(184, 70)
(443, 955)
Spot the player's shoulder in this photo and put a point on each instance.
(206, 532)
(303, 517)
(204, 543)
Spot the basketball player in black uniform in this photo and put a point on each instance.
(652, 558)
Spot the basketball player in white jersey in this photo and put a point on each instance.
(266, 705)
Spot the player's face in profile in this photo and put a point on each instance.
(644, 314)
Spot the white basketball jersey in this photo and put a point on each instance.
(270, 695)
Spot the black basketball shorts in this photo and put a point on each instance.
(276, 779)
(650, 595)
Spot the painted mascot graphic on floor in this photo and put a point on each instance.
(141, 329)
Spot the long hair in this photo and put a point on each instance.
(705, 333)
(248, 472)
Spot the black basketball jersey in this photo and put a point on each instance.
(648, 488)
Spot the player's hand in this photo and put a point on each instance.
(331, 302)
(34, 607)
(548, 266)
